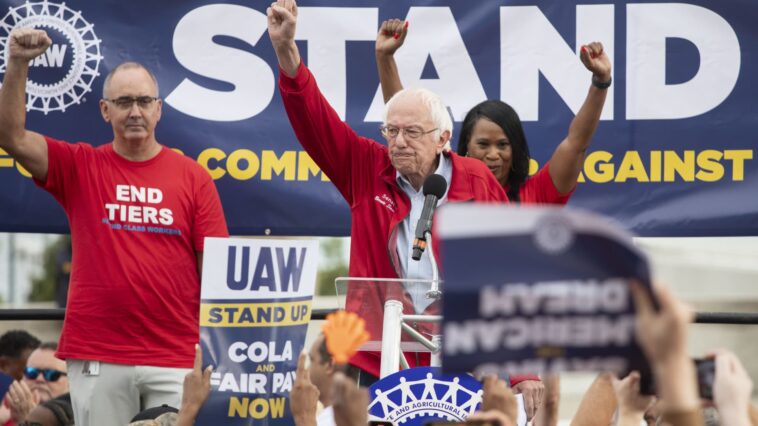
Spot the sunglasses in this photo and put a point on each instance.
(49, 374)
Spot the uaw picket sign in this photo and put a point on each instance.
(254, 312)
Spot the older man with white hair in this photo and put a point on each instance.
(382, 184)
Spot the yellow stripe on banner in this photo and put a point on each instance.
(5, 159)
(255, 314)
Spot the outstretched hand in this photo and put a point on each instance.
(197, 383)
(304, 395)
(732, 388)
(532, 392)
(496, 396)
(631, 402)
(391, 36)
(594, 59)
(21, 400)
(25, 44)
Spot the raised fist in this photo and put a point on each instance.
(391, 36)
(594, 59)
(282, 20)
(27, 43)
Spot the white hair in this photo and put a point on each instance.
(433, 102)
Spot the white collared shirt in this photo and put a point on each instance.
(421, 269)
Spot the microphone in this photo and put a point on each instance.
(434, 189)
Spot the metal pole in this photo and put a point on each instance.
(437, 353)
(393, 318)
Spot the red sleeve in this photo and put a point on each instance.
(518, 378)
(346, 158)
(209, 220)
(61, 173)
(540, 189)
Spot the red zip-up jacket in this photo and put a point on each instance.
(361, 170)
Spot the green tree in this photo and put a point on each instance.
(43, 286)
(333, 265)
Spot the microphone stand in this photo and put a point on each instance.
(434, 292)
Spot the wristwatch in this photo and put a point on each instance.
(601, 84)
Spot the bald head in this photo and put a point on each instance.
(127, 66)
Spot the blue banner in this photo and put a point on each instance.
(673, 154)
(537, 290)
(254, 312)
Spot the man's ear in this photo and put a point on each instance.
(331, 368)
(443, 140)
(105, 111)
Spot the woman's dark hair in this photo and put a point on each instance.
(506, 117)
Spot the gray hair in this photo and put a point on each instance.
(433, 102)
(126, 66)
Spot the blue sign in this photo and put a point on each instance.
(537, 291)
(673, 154)
(254, 312)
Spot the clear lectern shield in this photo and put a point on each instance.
(367, 296)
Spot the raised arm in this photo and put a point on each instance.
(391, 36)
(282, 20)
(598, 404)
(26, 147)
(568, 158)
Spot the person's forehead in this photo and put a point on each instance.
(131, 81)
(408, 108)
(45, 358)
(316, 345)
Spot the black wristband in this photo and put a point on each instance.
(601, 84)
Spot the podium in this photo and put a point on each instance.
(401, 315)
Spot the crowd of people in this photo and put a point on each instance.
(146, 373)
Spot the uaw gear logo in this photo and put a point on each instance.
(63, 74)
(419, 395)
(554, 234)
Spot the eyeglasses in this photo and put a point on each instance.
(49, 374)
(126, 102)
(412, 133)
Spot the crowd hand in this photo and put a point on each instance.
(282, 20)
(552, 394)
(547, 414)
(491, 417)
(391, 36)
(304, 395)
(632, 405)
(732, 388)
(195, 391)
(662, 334)
(5, 414)
(496, 396)
(26, 44)
(594, 59)
(350, 403)
(653, 412)
(21, 401)
(532, 391)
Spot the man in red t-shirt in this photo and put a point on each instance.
(139, 213)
